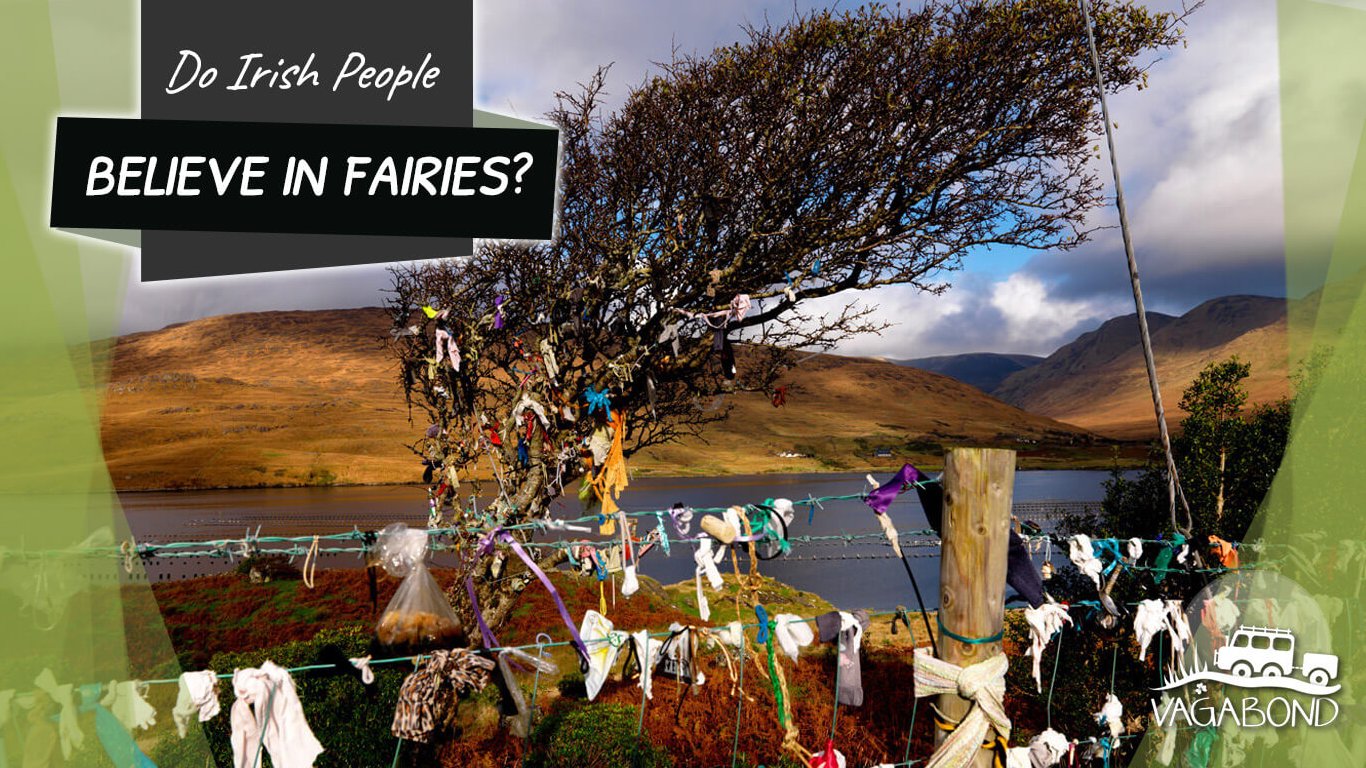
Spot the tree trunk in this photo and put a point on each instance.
(1219, 501)
(498, 592)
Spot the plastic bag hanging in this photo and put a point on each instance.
(419, 613)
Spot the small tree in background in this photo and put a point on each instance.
(835, 153)
(1227, 455)
(1214, 404)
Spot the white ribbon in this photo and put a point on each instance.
(890, 532)
(68, 728)
(1084, 557)
(1044, 622)
(367, 675)
(982, 684)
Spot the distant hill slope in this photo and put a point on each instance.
(289, 398)
(984, 370)
(1099, 381)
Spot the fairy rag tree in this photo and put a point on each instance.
(834, 153)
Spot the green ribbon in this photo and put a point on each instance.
(767, 528)
(1197, 754)
(996, 638)
(773, 675)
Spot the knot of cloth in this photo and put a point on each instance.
(984, 685)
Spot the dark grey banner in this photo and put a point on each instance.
(342, 62)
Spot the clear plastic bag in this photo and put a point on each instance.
(419, 614)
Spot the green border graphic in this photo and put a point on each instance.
(60, 303)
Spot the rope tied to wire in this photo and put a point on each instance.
(310, 568)
(984, 685)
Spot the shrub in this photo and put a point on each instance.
(350, 719)
(572, 686)
(595, 736)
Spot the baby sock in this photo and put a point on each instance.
(793, 634)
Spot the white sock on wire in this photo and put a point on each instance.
(707, 564)
(629, 584)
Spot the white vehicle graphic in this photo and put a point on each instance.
(1270, 653)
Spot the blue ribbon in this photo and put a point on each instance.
(759, 611)
(598, 399)
(1109, 547)
(663, 533)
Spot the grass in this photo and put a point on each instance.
(775, 596)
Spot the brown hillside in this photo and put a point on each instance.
(262, 398)
(288, 398)
(1111, 396)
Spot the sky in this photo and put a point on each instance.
(1199, 150)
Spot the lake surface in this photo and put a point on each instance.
(850, 576)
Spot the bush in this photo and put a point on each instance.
(595, 736)
(350, 719)
(572, 686)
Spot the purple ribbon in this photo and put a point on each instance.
(498, 312)
(486, 546)
(881, 499)
(489, 640)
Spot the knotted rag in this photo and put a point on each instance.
(984, 685)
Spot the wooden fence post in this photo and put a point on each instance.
(979, 485)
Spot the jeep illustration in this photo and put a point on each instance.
(1268, 652)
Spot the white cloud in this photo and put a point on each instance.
(1200, 150)
(1017, 314)
(1032, 317)
(526, 50)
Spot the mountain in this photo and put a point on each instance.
(1100, 381)
(984, 370)
(299, 398)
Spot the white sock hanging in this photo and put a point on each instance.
(1135, 549)
(1179, 630)
(629, 584)
(1149, 620)
(1044, 622)
(1111, 715)
(198, 697)
(647, 650)
(793, 634)
(733, 634)
(124, 700)
(1082, 555)
(706, 563)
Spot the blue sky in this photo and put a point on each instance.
(1199, 148)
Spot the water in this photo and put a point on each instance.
(848, 575)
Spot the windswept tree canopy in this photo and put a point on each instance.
(835, 152)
